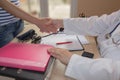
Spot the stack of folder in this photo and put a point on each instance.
(29, 57)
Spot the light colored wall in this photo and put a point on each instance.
(97, 7)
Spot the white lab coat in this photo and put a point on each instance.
(105, 68)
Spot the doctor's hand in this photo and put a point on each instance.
(46, 25)
(58, 23)
(62, 54)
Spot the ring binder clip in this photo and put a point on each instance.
(19, 71)
(3, 68)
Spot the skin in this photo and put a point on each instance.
(58, 23)
(45, 24)
(62, 54)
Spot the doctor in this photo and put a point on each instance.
(107, 30)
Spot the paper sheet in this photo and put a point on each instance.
(83, 39)
(55, 38)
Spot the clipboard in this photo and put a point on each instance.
(53, 39)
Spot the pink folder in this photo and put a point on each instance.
(25, 56)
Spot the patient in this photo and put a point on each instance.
(11, 21)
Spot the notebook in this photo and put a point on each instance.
(25, 56)
(73, 43)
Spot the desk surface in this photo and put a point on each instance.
(58, 68)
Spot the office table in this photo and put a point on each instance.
(58, 69)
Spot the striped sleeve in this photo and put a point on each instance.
(5, 17)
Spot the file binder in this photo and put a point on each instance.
(25, 56)
(26, 74)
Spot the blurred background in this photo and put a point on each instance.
(69, 8)
(51, 8)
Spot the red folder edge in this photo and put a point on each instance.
(21, 55)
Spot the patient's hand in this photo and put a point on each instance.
(47, 25)
(50, 25)
(62, 54)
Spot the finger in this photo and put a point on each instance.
(53, 53)
(44, 31)
(49, 21)
(51, 50)
(51, 28)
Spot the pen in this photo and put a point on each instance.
(67, 42)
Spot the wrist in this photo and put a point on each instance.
(37, 21)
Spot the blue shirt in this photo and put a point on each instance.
(5, 17)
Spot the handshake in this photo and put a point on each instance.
(49, 25)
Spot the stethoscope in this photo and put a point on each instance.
(108, 35)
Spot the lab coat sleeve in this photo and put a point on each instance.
(92, 26)
(81, 68)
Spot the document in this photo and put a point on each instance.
(83, 39)
(61, 40)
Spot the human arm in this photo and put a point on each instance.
(81, 68)
(16, 11)
(92, 26)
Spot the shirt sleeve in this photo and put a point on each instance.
(92, 26)
(81, 68)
